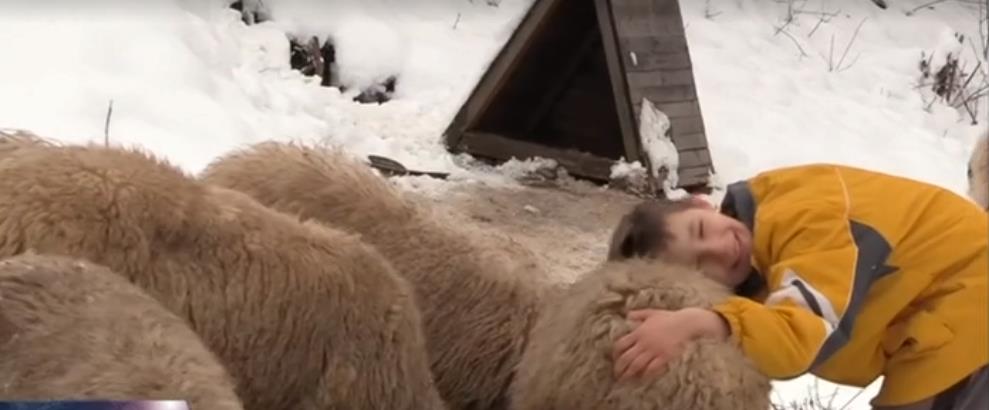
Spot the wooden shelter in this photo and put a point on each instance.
(569, 84)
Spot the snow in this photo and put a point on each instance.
(368, 51)
(189, 81)
(624, 169)
(766, 105)
(657, 142)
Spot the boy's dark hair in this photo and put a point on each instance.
(644, 232)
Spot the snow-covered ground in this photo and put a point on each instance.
(189, 81)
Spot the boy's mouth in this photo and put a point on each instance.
(739, 259)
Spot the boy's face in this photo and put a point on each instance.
(718, 245)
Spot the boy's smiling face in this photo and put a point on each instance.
(718, 245)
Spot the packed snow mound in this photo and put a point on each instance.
(657, 142)
(368, 51)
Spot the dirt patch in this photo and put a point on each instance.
(566, 227)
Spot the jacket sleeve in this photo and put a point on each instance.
(820, 265)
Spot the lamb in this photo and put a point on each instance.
(567, 364)
(301, 315)
(70, 329)
(978, 172)
(477, 304)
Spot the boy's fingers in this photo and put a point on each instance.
(625, 342)
(622, 362)
(640, 315)
(637, 365)
(655, 367)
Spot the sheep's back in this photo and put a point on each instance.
(568, 365)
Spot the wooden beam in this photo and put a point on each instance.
(686, 126)
(694, 158)
(685, 141)
(693, 175)
(658, 8)
(646, 60)
(616, 71)
(674, 43)
(664, 94)
(660, 78)
(566, 74)
(501, 148)
(500, 69)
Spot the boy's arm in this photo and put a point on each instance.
(826, 263)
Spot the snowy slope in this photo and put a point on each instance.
(189, 81)
(766, 105)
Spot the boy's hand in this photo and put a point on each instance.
(660, 337)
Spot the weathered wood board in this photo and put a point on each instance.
(569, 83)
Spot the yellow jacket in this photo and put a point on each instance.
(859, 275)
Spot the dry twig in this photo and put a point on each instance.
(106, 125)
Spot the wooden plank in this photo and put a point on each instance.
(646, 7)
(649, 25)
(660, 44)
(655, 61)
(694, 158)
(692, 175)
(689, 141)
(686, 126)
(499, 69)
(501, 148)
(616, 71)
(665, 94)
(659, 78)
(563, 80)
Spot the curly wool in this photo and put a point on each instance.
(568, 365)
(70, 329)
(477, 304)
(302, 316)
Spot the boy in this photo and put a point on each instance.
(845, 273)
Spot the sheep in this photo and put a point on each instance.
(978, 172)
(568, 364)
(301, 315)
(71, 330)
(477, 304)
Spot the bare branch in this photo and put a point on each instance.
(106, 125)
(780, 28)
(850, 42)
(971, 76)
(850, 400)
(925, 5)
(850, 63)
(709, 13)
(824, 17)
(796, 43)
(831, 55)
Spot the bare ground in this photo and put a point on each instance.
(566, 225)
